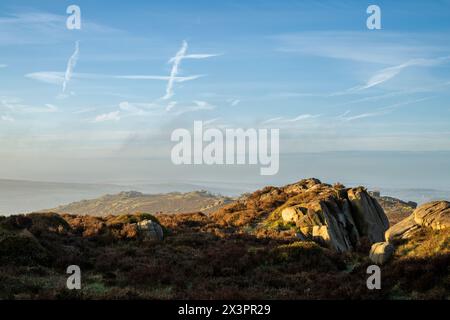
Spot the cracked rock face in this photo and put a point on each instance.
(434, 215)
(336, 217)
(370, 219)
(402, 230)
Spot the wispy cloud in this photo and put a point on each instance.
(366, 115)
(303, 117)
(51, 77)
(272, 120)
(58, 78)
(386, 48)
(16, 106)
(197, 106)
(163, 78)
(37, 27)
(376, 97)
(128, 109)
(210, 121)
(391, 72)
(234, 102)
(171, 105)
(344, 115)
(3, 66)
(84, 110)
(194, 56)
(29, 27)
(284, 120)
(111, 116)
(376, 79)
(141, 109)
(12, 104)
(51, 107)
(70, 66)
(47, 109)
(381, 111)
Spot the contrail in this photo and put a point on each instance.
(71, 65)
(174, 72)
(181, 55)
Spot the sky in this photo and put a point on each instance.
(99, 104)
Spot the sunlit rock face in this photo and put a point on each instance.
(434, 215)
(334, 216)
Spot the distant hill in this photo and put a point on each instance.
(133, 202)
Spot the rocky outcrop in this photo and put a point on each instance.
(381, 252)
(322, 221)
(434, 215)
(335, 216)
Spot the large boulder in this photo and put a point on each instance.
(368, 215)
(402, 230)
(434, 215)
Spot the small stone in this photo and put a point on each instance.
(150, 230)
(381, 252)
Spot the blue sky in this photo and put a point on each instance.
(310, 68)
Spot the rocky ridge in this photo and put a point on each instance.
(130, 202)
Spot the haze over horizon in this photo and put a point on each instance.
(426, 182)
